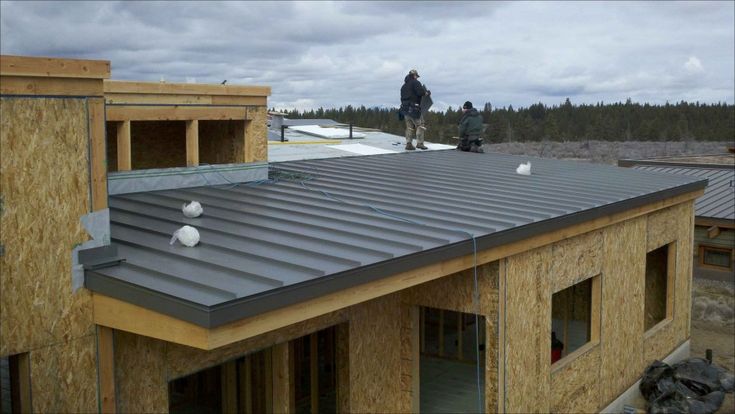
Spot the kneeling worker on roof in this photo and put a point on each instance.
(411, 93)
(470, 129)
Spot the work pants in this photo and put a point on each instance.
(415, 128)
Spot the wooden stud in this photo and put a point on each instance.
(422, 330)
(246, 387)
(314, 372)
(124, 154)
(460, 324)
(268, 354)
(98, 156)
(229, 387)
(342, 362)
(192, 143)
(441, 332)
(175, 113)
(502, 270)
(416, 358)
(671, 278)
(106, 369)
(283, 378)
(596, 308)
(568, 298)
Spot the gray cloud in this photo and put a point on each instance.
(337, 53)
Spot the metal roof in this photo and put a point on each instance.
(718, 200)
(329, 224)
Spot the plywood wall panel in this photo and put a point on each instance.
(140, 374)
(576, 259)
(575, 388)
(623, 277)
(45, 190)
(528, 331)
(256, 135)
(64, 377)
(221, 142)
(665, 226)
(158, 144)
(375, 357)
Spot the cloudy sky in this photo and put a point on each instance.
(332, 54)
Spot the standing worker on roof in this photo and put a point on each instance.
(470, 129)
(411, 93)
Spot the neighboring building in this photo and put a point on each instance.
(714, 231)
(386, 283)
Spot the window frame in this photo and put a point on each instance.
(595, 322)
(704, 247)
(672, 251)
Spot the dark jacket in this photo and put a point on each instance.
(471, 124)
(411, 92)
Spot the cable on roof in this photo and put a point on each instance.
(302, 178)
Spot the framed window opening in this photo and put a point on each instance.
(659, 286)
(714, 257)
(575, 320)
(15, 384)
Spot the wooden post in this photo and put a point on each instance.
(460, 324)
(595, 313)
(192, 143)
(343, 367)
(283, 379)
(246, 387)
(416, 358)
(268, 355)
(314, 372)
(97, 153)
(441, 332)
(124, 154)
(229, 387)
(565, 337)
(422, 329)
(106, 369)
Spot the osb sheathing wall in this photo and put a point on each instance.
(617, 253)
(456, 293)
(44, 176)
(157, 362)
(256, 131)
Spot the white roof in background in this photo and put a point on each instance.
(327, 132)
(300, 146)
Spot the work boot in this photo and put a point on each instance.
(410, 147)
(421, 146)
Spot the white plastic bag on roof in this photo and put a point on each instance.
(193, 209)
(524, 169)
(187, 235)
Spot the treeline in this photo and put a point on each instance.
(566, 122)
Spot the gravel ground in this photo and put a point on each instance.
(609, 152)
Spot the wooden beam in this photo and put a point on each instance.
(228, 386)
(128, 317)
(314, 372)
(106, 369)
(24, 85)
(124, 153)
(709, 222)
(283, 378)
(98, 155)
(713, 232)
(54, 67)
(175, 113)
(164, 88)
(192, 143)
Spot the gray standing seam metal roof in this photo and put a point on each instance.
(330, 224)
(718, 200)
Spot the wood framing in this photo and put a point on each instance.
(106, 369)
(175, 113)
(128, 317)
(124, 156)
(192, 143)
(54, 67)
(117, 89)
(98, 157)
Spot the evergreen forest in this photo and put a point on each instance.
(627, 121)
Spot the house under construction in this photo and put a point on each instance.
(437, 281)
